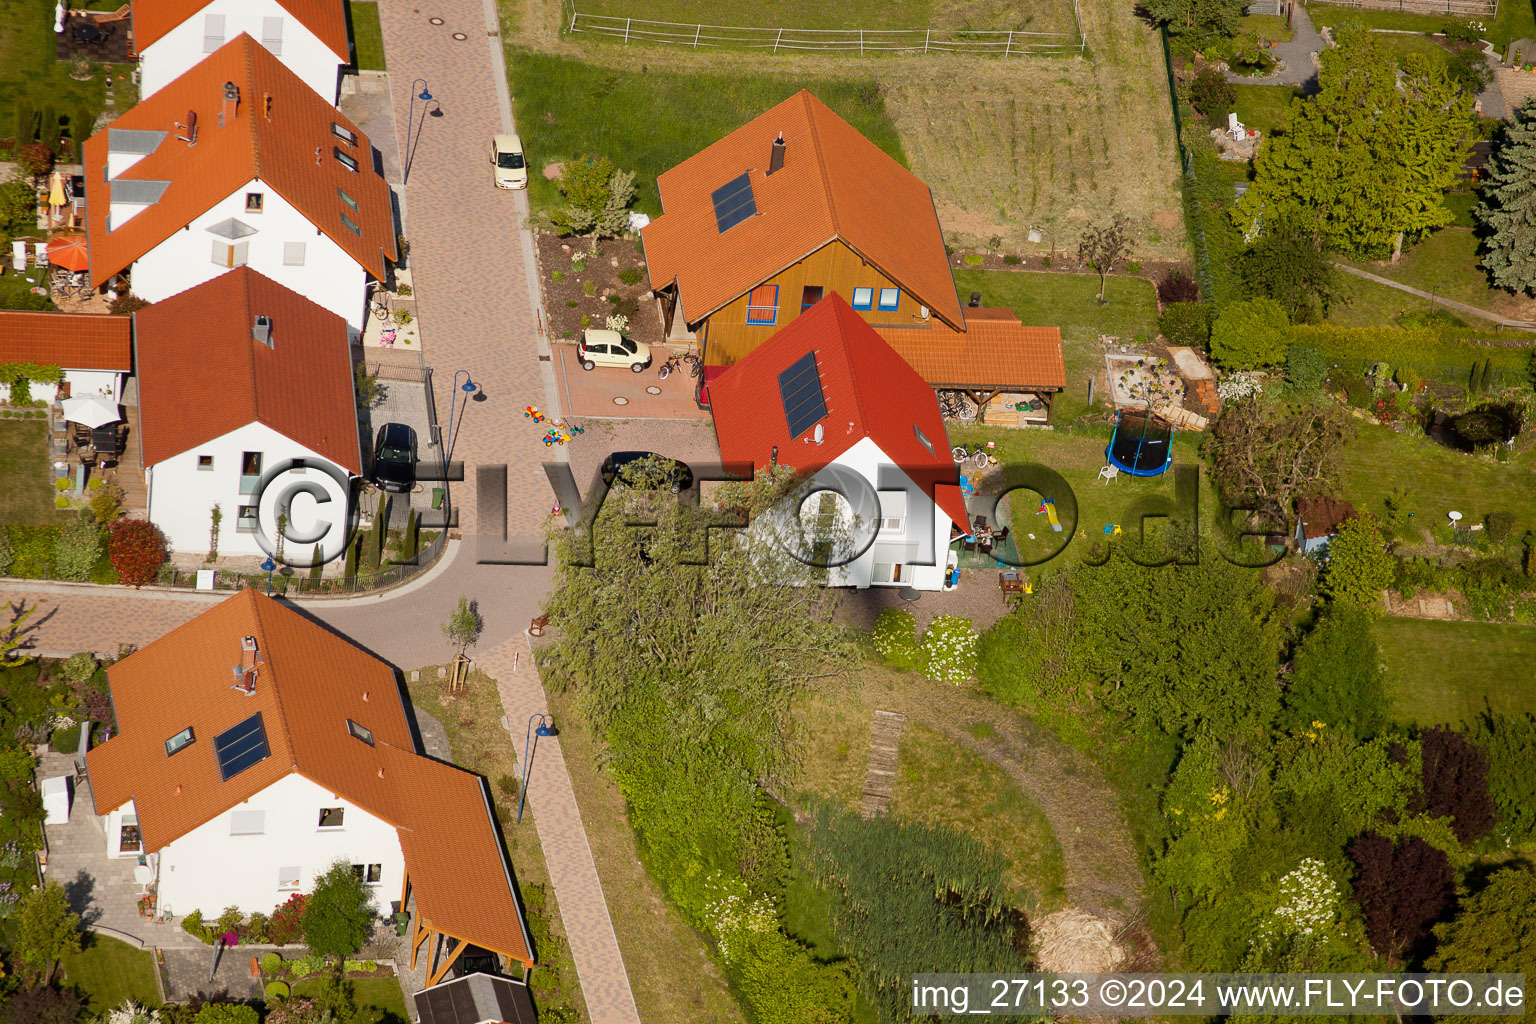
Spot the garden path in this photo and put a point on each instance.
(1297, 55)
(1460, 307)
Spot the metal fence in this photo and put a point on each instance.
(999, 43)
(1452, 8)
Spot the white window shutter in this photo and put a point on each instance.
(247, 822)
(272, 35)
(213, 32)
(239, 253)
(220, 253)
(293, 254)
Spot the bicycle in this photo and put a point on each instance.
(953, 405)
(979, 455)
(378, 302)
(665, 370)
(694, 363)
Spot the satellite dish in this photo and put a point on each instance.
(818, 433)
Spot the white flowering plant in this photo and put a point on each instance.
(1237, 386)
(949, 650)
(734, 915)
(130, 1012)
(618, 322)
(1308, 903)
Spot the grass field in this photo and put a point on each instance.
(1443, 672)
(382, 994)
(942, 16)
(1445, 264)
(1070, 301)
(107, 972)
(1515, 20)
(1268, 26)
(367, 36)
(1265, 108)
(26, 493)
(1004, 145)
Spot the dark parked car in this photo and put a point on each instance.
(394, 458)
(677, 473)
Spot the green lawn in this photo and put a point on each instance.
(1436, 478)
(649, 121)
(1401, 46)
(1442, 672)
(1266, 108)
(107, 972)
(26, 490)
(1268, 26)
(940, 15)
(31, 72)
(381, 993)
(367, 37)
(1445, 264)
(1069, 301)
(1515, 20)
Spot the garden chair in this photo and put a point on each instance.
(1108, 473)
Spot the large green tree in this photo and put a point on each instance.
(1359, 567)
(1365, 163)
(1287, 263)
(1508, 209)
(338, 914)
(1198, 20)
(1250, 333)
(46, 931)
(1336, 678)
(1495, 930)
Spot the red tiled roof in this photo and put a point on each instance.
(869, 392)
(202, 374)
(995, 350)
(287, 145)
(835, 183)
(74, 341)
(1320, 517)
(153, 19)
(310, 683)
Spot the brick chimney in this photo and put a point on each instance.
(776, 158)
(231, 103)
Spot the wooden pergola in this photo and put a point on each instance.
(983, 395)
(439, 960)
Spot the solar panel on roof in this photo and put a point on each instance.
(241, 746)
(733, 202)
(800, 388)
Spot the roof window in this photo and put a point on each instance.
(358, 732)
(343, 134)
(351, 225)
(178, 741)
(346, 160)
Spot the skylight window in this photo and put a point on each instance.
(346, 198)
(343, 134)
(734, 203)
(800, 390)
(178, 741)
(241, 747)
(346, 160)
(351, 225)
(358, 732)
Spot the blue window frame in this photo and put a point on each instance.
(890, 298)
(863, 298)
(763, 304)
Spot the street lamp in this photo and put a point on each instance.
(267, 566)
(546, 728)
(469, 388)
(425, 97)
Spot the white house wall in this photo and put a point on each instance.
(182, 496)
(82, 383)
(182, 48)
(328, 277)
(210, 868)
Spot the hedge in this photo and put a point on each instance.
(1424, 350)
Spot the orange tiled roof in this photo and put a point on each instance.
(995, 350)
(835, 183)
(280, 134)
(202, 374)
(153, 19)
(310, 683)
(74, 341)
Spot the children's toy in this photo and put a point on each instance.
(1111, 529)
(1048, 509)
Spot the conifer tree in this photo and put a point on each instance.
(1508, 209)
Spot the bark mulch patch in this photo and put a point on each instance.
(569, 274)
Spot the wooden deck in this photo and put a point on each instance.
(129, 471)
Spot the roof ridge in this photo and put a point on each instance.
(250, 83)
(853, 370)
(821, 164)
(277, 691)
(248, 307)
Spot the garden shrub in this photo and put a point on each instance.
(1186, 323)
(1177, 286)
(949, 650)
(79, 667)
(1500, 524)
(630, 275)
(67, 740)
(106, 503)
(1013, 260)
(287, 922)
(309, 963)
(7, 553)
(21, 391)
(1212, 94)
(62, 484)
(137, 550)
(973, 259)
(226, 1013)
(1250, 333)
(1336, 676)
(1305, 369)
(193, 925)
(276, 990)
(895, 636)
(77, 549)
(1358, 393)
(270, 962)
(1510, 745)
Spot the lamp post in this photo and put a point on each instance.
(469, 388)
(267, 565)
(410, 120)
(546, 728)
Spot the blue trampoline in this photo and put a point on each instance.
(1142, 444)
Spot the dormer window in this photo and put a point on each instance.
(178, 741)
(360, 733)
(346, 160)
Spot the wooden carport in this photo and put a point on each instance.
(441, 960)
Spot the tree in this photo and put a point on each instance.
(1178, 286)
(42, 1006)
(338, 916)
(35, 158)
(1305, 369)
(1492, 933)
(1287, 263)
(597, 198)
(46, 931)
(1336, 678)
(1510, 743)
(1251, 333)
(1212, 94)
(18, 207)
(1508, 209)
(1102, 247)
(77, 548)
(1454, 784)
(1199, 20)
(1366, 162)
(463, 627)
(137, 550)
(1266, 456)
(1358, 568)
(1403, 888)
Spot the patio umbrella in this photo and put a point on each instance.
(69, 252)
(91, 411)
(56, 191)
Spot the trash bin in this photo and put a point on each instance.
(437, 497)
